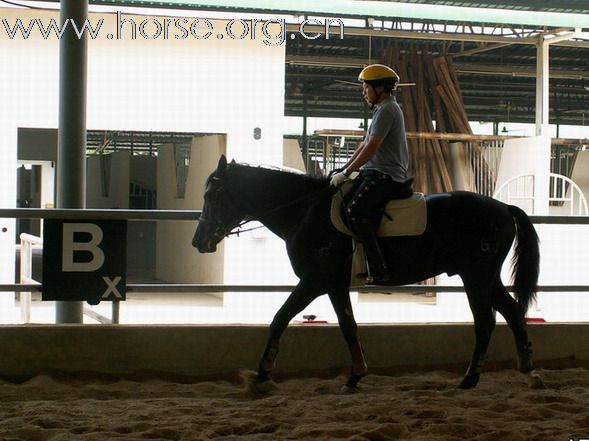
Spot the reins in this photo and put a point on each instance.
(310, 197)
(237, 230)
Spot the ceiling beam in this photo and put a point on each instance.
(482, 48)
(517, 71)
(467, 68)
(334, 32)
(379, 10)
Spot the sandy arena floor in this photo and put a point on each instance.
(416, 407)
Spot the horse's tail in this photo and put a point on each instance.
(526, 258)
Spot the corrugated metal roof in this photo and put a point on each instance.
(542, 13)
(560, 6)
(498, 81)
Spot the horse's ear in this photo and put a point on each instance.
(222, 166)
(233, 162)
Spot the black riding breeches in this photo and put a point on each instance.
(371, 192)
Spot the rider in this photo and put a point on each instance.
(382, 159)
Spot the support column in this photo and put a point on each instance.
(542, 150)
(71, 144)
(305, 145)
(461, 175)
(543, 75)
(542, 86)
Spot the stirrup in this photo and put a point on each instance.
(382, 279)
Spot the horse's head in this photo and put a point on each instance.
(219, 213)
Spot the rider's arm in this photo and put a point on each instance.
(355, 154)
(363, 153)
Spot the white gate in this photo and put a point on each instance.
(519, 190)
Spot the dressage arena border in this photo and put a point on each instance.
(199, 350)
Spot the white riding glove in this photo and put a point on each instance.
(339, 178)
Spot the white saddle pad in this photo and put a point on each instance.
(409, 216)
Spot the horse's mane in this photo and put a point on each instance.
(283, 168)
(283, 177)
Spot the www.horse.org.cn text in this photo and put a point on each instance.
(272, 32)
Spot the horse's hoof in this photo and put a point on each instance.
(349, 390)
(255, 386)
(535, 380)
(469, 381)
(263, 387)
(354, 379)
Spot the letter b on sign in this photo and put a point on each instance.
(84, 260)
(70, 246)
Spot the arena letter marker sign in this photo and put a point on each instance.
(84, 260)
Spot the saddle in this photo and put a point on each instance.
(403, 217)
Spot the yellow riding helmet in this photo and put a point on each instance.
(379, 73)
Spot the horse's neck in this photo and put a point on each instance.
(275, 198)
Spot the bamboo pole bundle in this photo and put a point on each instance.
(454, 100)
(451, 96)
(409, 104)
(437, 104)
(435, 96)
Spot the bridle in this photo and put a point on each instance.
(220, 231)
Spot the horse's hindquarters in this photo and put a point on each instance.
(465, 232)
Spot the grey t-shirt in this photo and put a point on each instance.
(392, 157)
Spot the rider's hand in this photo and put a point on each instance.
(339, 178)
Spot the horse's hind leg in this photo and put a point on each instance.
(515, 317)
(302, 295)
(340, 299)
(484, 323)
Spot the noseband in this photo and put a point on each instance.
(219, 231)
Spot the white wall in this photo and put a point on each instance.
(8, 200)
(144, 171)
(579, 176)
(117, 177)
(293, 157)
(176, 260)
(207, 86)
(226, 86)
(581, 172)
(47, 181)
(527, 156)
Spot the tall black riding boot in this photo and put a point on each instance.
(378, 270)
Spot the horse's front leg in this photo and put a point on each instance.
(340, 299)
(303, 294)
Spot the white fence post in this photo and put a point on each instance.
(26, 272)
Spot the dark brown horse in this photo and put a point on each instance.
(467, 234)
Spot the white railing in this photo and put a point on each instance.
(520, 189)
(27, 243)
(482, 161)
(29, 285)
(565, 190)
